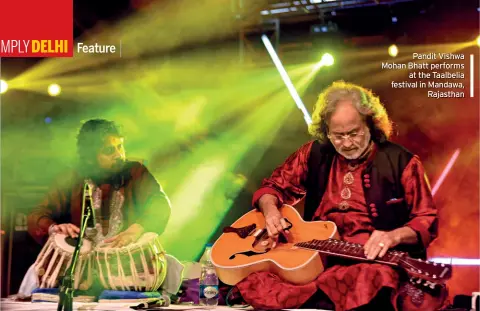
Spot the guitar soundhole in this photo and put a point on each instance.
(241, 232)
(248, 254)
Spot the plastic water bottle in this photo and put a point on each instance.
(208, 280)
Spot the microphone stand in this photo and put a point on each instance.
(67, 288)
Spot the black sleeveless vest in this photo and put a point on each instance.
(384, 173)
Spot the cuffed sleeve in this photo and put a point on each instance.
(42, 216)
(287, 181)
(423, 215)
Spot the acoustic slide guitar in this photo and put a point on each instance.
(245, 247)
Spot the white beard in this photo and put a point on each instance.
(359, 151)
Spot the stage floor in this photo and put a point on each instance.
(49, 306)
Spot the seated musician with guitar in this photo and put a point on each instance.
(374, 191)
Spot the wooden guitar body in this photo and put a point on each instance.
(245, 248)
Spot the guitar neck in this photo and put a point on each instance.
(349, 250)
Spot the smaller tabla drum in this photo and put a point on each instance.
(139, 266)
(55, 258)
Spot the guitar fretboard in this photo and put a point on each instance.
(348, 250)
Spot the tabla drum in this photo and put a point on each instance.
(139, 266)
(55, 258)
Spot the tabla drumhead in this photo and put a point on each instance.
(68, 244)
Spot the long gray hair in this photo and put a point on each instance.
(367, 104)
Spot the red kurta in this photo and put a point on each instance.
(348, 287)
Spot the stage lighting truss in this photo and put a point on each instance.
(284, 8)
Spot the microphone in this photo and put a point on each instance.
(163, 301)
(91, 229)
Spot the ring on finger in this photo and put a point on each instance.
(381, 244)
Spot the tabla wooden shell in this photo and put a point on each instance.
(140, 266)
(55, 258)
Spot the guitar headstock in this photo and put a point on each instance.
(418, 282)
(427, 270)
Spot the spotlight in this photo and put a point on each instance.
(394, 20)
(393, 50)
(54, 89)
(3, 86)
(478, 40)
(327, 60)
(286, 79)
